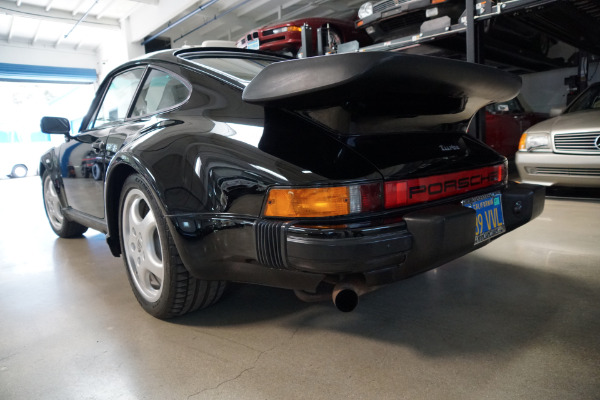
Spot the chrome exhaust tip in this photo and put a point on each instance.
(346, 293)
(345, 300)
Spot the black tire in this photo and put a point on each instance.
(158, 278)
(97, 172)
(58, 222)
(19, 171)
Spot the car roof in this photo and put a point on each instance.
(179, 55)
(175, 55)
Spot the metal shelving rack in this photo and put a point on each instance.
(480, 11)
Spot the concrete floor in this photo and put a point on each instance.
(519, 319)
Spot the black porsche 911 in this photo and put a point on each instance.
(330, 175)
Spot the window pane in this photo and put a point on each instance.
(118, 98)
(160, 91)
(590, 99)
(241, 69)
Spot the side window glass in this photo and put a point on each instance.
(118, 98)
(159, 92)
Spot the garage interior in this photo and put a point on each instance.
(517, 319)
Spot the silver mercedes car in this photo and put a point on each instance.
(565, 150)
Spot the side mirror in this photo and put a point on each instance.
(555, 112)
(55, 125)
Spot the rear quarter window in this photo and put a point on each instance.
(240, 69)
(160, 91)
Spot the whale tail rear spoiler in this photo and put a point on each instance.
(420, 91)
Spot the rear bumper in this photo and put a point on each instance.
(414, 243)
(422, 240)
(290, 255)
(346, 250)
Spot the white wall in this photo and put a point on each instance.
(149, 19)
(543, 91)
(134, 47)
(112, 53)
(46, 56)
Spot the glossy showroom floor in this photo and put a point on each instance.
(519, 319)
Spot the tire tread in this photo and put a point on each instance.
(69, 229)
(186, 292)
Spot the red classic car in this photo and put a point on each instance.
(284, 37)
(504, 124)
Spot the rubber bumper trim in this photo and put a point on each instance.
(521, 203)
(363, 251)
(440, 234)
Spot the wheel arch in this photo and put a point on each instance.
(48, 162)
(113, 188)
(115, 177)
(41, 169)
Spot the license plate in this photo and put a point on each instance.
(489, 221)
(253, 45)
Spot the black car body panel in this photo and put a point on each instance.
(212, 160)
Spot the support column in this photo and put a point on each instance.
(474, 46)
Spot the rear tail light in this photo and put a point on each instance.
(355, 199)
(421, 190)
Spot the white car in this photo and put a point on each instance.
(565, 150)
(20, 155)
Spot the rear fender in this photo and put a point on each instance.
(116, 174)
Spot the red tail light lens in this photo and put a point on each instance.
(370, 197)
(420, 190)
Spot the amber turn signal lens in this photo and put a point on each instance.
(308, 202)
(438, 1)
(522, 142)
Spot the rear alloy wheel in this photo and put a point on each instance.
(59, 224)
(19, 171)
(160, 281)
